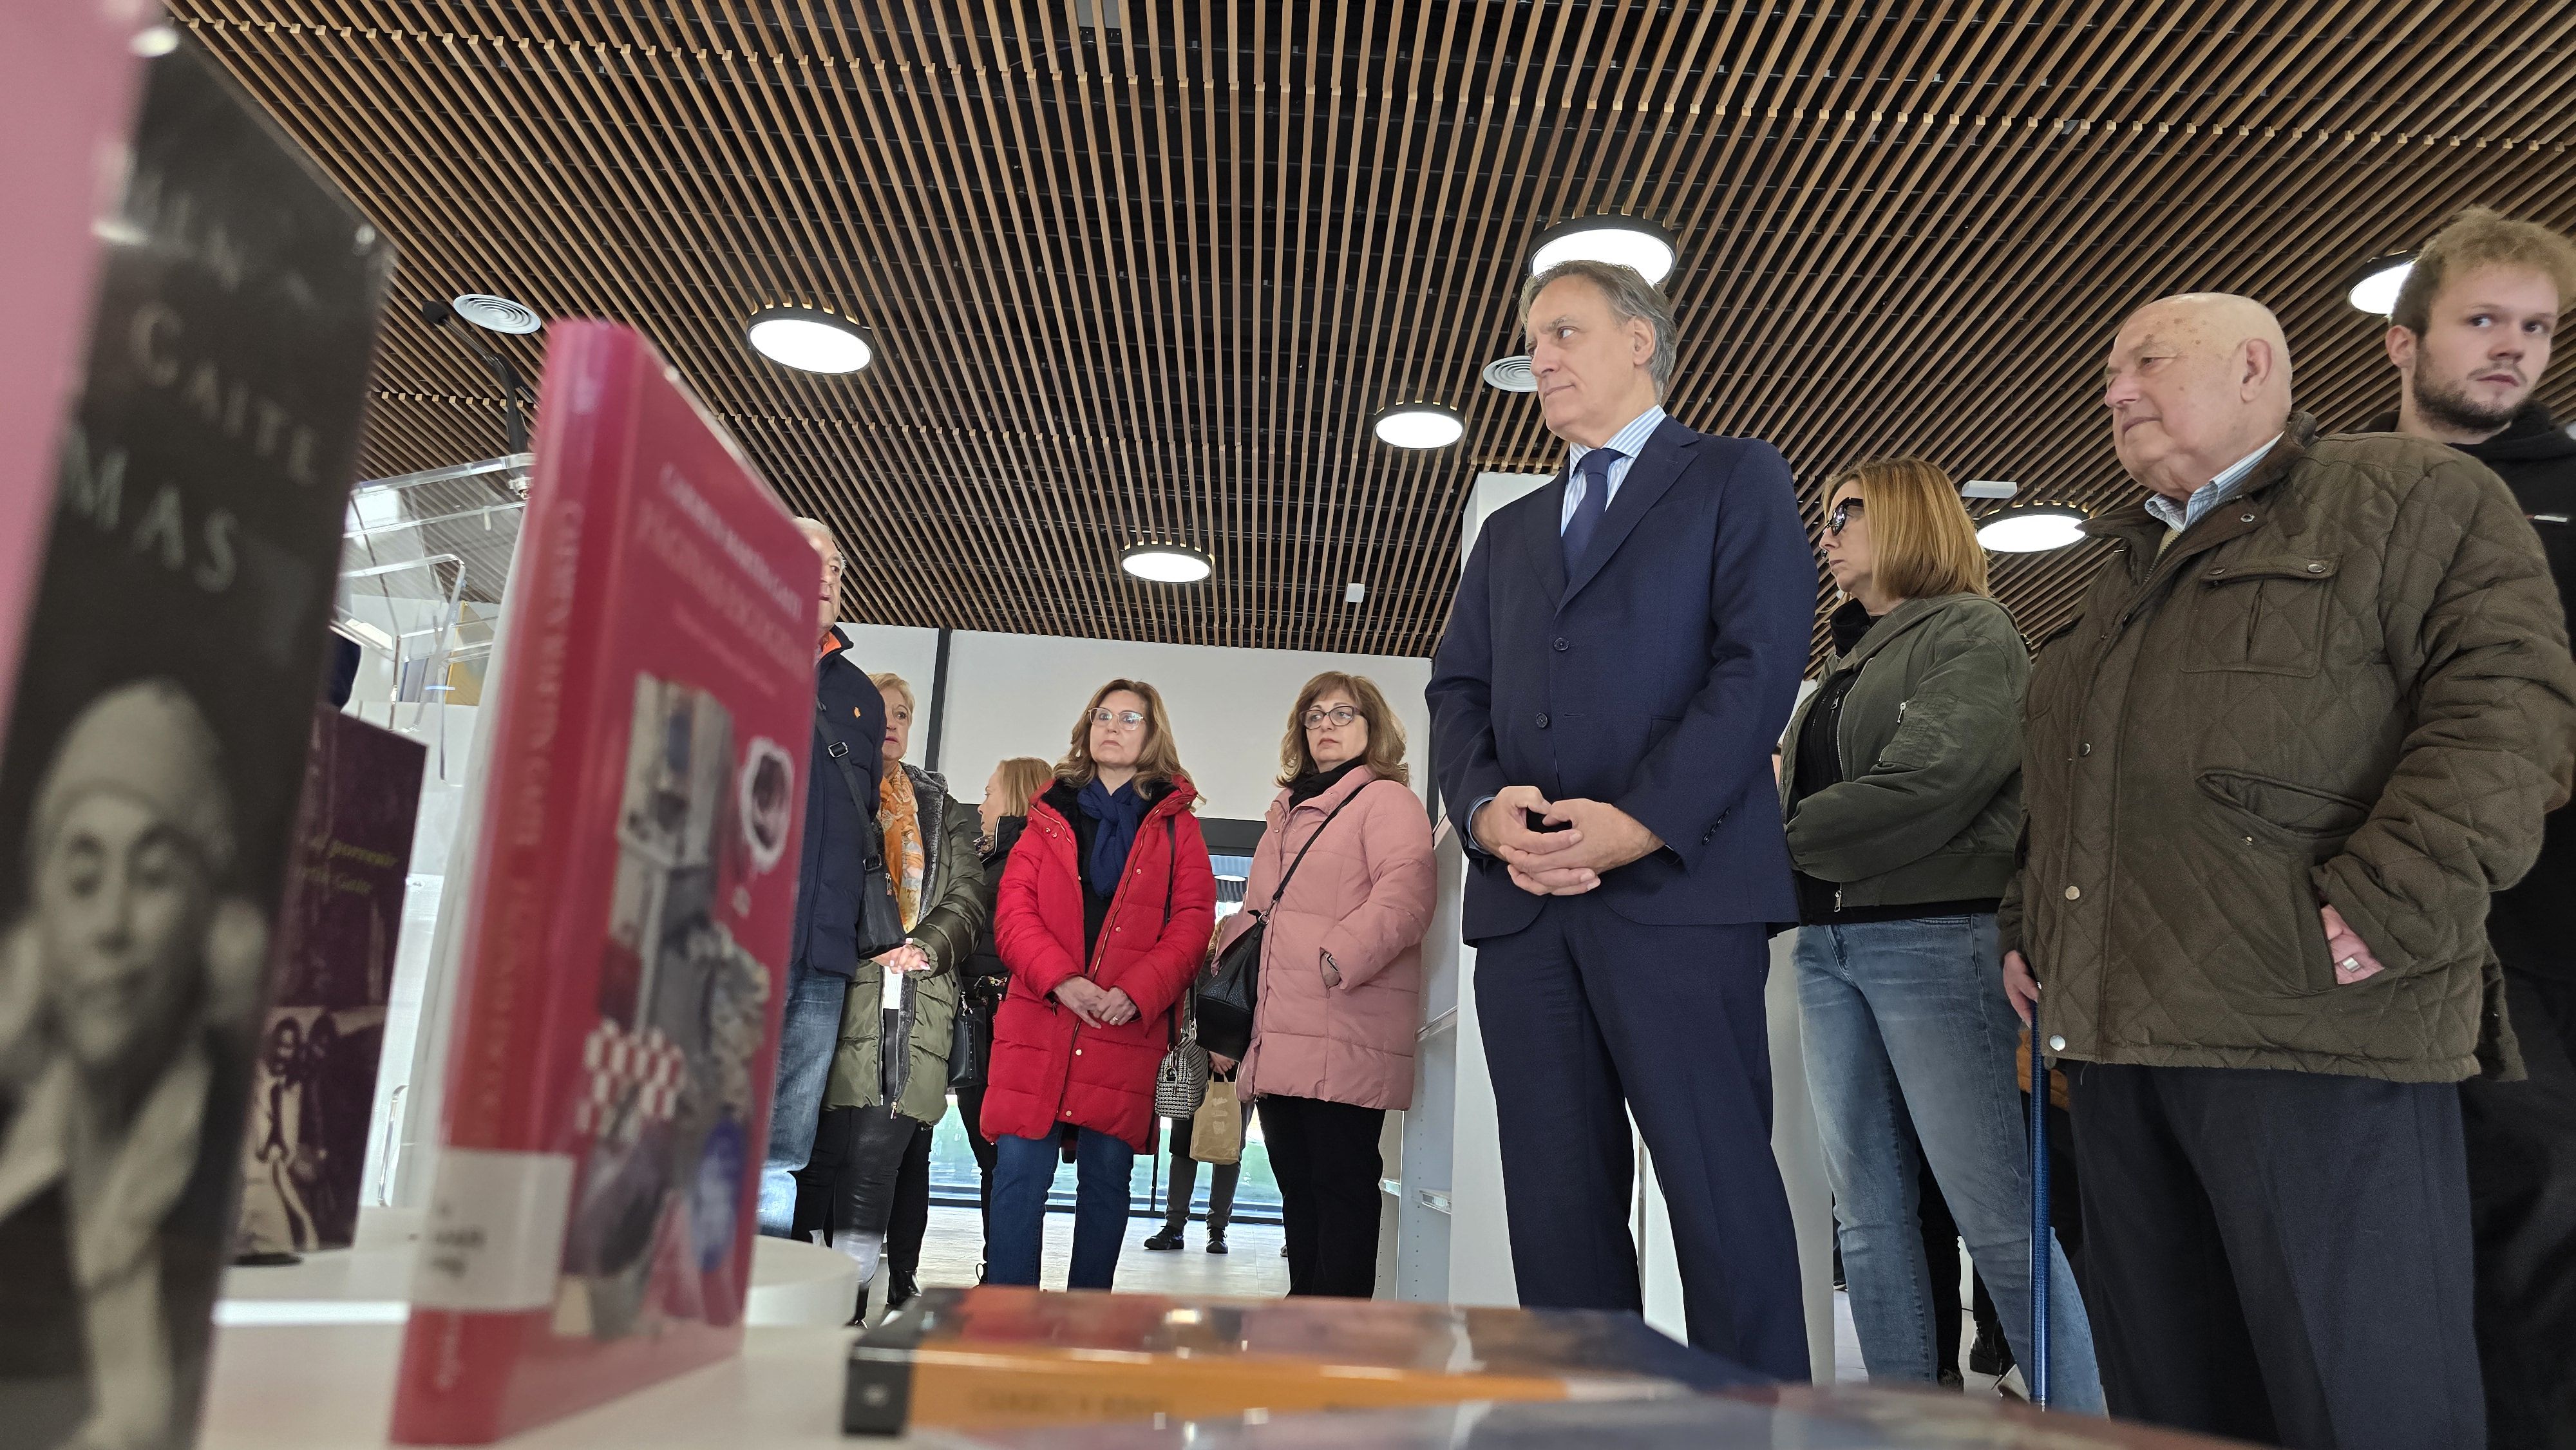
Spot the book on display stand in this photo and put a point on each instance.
(163, 696)
(994, 1358)
(626, 926)
(1854, 1417)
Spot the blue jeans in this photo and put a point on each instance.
(1909, 1018)
(1023, 1171)
(807, 1038)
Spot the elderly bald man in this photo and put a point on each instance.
(2309, 714)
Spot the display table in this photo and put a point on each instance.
(791, 1283)
(330, 1387)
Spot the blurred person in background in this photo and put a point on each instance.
(1103, 920)
(889, 1081)
(1340, 1008)
(1004, 813)
(831, 872)
(1180, 1134)
(2470, 336)
(1901, 785)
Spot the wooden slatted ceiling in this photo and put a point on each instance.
(1149, 280)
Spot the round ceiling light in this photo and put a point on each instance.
(2031, 530)
(498, 314)
(1511, 374)
(1630, 241)
(1418, 425)
(809, 339)
(2374, 288)
(1166, 563)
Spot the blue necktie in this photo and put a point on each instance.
(1594, 470)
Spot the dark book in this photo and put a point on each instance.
(173, 646)
(313, 1081)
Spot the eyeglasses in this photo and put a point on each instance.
(1129, 719)
(1339, 715)
(1844, 512)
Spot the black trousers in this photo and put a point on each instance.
(2522, 1206)
(2280, 1256)
(1326, 1160)
(1222, 1178)
(912, 1190)
(1589, 1017)
(848, 1185)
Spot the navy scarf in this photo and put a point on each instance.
(1118, 814)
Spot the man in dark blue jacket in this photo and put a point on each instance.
(849, 727)
(1623, 653)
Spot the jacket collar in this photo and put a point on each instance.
(2143, 531)
(1162, 798)
(1657, 466)
(1331, 799)
(1900, 620)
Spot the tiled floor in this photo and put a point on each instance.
(1254, 1269)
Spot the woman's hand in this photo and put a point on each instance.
(906, 958)
(1219, 1062)
(1332, 972)
(1117, 1009)
(2020, 986)
(1084, 997)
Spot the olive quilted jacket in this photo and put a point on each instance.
(2348, 685)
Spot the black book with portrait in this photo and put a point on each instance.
(173, 645)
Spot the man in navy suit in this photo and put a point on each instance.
(1623, 653)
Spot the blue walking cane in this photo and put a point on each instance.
(2039, 1232)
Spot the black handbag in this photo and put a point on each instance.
(1231, 986)
(970, 1045)
(880, 920)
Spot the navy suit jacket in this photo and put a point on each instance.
(1655, 676)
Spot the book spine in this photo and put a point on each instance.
(493, 1243)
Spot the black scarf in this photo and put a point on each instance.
(1315, 782)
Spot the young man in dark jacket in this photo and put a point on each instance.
(2310, 713)
(849, 724)
(2470, 337)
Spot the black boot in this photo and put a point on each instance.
(905, 1288)
(1166, 1241)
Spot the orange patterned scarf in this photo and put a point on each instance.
(899, 818)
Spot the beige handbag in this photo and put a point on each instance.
(1216, 1130)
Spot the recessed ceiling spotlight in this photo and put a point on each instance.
(1630, 241)
(498, 314)
(2374, 287)
(1418, 425)
(1166, 563)
(2032, 529)
(1511, 374)
(809, 339)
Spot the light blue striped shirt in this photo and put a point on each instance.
(2180, 516)
(1627, 441)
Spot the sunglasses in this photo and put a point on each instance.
(1844, 512)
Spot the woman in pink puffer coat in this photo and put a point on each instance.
(1341, 974)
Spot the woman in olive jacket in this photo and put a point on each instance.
(889, 1079)
(1901, 779)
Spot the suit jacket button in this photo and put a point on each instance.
(1542, 722)
(1561, 644)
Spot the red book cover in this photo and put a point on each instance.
(626, 931)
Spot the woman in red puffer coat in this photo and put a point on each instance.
(1103, 920)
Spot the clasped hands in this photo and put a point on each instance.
(1600, 838)
(1096, 1005)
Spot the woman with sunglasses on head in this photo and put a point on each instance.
(1340, 1002)
(1103, 920)
(1901, 779)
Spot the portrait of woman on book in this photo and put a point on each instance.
(126, 990)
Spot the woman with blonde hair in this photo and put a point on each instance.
(1901, 780)
(1103, 920)
(1342, 881)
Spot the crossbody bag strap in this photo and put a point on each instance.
(839, 750)
(1290, 874)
